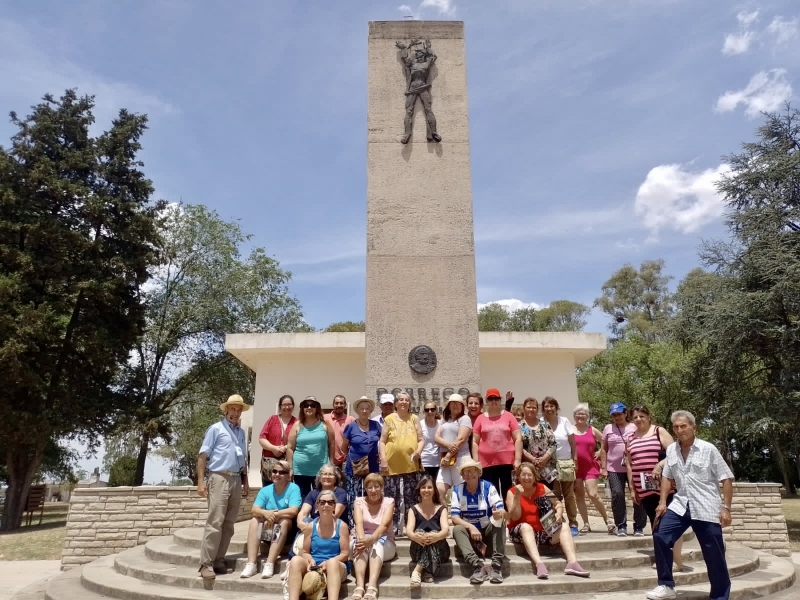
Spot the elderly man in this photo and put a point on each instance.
(224, 450)
(338, 419)
(696, 469)
(387, 408)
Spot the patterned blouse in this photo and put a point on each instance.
(538, 440)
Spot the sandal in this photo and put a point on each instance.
(612, 529)
(427, 578)
(416, 579)
(372, 593)
(586, 528)
(358, 594)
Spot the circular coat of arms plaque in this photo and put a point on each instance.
(422, 359)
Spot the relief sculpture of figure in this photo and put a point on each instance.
(418, 60)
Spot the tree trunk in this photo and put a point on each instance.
(141, 459)
(782, 466)
(22, 463)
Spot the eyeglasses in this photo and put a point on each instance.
(430, 410)
(326, 502)
(287, 405)
(277, 472)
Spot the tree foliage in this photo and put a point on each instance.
(560, 315)
(202, 290)
(346, 326)
(122, 471)
(77, 237)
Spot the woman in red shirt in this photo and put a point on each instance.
(273, 437)
(526, 503)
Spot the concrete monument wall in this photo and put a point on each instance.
(420, 248)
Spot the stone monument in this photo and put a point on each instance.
(422, 330)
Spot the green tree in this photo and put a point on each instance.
(560, 315)
(122, 471)
(638, 301)
(202, 291)
(346, 326)
(77, 236)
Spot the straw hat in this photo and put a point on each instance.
(468, 462)
(235, 400)
(368, 400)
(457, 398)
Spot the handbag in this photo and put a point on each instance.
(566, 470)
(360, 467)
(267, 464)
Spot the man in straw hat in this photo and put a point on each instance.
(478, 516)
(224, 450)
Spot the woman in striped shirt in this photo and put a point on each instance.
(646, 450)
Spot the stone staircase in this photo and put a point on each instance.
(165, 568)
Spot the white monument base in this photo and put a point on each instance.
(325, 364)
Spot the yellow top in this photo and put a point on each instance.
(401, 443)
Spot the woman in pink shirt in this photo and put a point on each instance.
(497, 443)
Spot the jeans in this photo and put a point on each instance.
(493, 537)
(670, 529)
(617, 482)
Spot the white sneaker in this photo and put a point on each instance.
(249, 570)
(268, 570)
(661, 592)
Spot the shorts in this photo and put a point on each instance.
(384, 548)
(449, 476)
(541, 536)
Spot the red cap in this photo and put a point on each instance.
(492, 392)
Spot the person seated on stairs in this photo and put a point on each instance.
(325, 556)
(528, 504)
(373, 537)
(275, 508)
(478, 512)
(428, 530)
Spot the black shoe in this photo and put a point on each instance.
(496, 575)
(479, 575)
(220, 568)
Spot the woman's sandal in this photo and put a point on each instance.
(416, 579)
(358, 594)
(427, 578)
(586, 528)
(372, 593)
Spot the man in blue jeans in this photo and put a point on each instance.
(696, 469)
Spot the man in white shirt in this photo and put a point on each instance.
(387, 408)
(696, 469)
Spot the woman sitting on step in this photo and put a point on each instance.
(325, 555)
(428, 530)
(373, 537)
(528, 505)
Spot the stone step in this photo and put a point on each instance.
(135, 564)
(165, 550)
(772, 581)
(590, 542)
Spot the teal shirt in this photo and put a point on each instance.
(310, 449)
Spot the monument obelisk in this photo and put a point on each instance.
(421, 296)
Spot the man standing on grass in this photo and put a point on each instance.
(696, 469)
(224, 450)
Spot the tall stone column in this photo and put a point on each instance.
(420, 245)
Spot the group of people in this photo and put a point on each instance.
(477, 470)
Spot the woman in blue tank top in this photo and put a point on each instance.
(325, 549)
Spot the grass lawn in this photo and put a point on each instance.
(791, 508)
(37, 542)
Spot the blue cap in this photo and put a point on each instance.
(617, 407)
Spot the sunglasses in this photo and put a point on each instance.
(617, 414)
(277, 472)
(326, 502)
(430, 410)
(306, 406)
(493, 399)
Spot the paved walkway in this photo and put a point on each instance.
(24, 578)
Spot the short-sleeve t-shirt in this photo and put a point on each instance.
(311, 499)
(496, 440)
(269, 500)
(562, 432)
(616, 438)
(529, 510)
(310, 450)
(362, 443)
(401, 443)
(475, 508)
(448, 431)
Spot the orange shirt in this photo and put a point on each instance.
(338, 426)
(530, 512)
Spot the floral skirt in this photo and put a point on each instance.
(430, 557)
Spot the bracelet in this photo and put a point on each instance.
(728, 508)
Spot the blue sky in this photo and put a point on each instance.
(597, 127)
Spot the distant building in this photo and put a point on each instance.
(93, 481)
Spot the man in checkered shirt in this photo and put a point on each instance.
(696, 469)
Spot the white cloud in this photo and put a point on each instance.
(766, 92)
(512, 304)
(445, 7)
(784, 30)
(673, 197)
(405, 9)
(747, 18)
(739, 43)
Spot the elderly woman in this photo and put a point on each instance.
(566, 456)
(400, 448)
(328, 479)
(497, 442)
(538, 442)
(477, 511)
(428, 531)
(360, 443)
(274, 510)
(273, 437)
(613, 466)
(647, 450)
(587, 468)
(453, 439)
(527, 504)
(309, 445)
(373, 542)
(325, 550)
